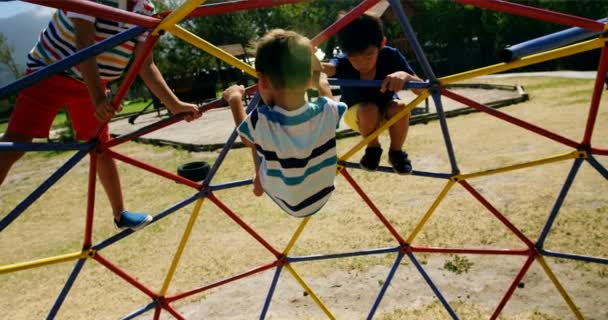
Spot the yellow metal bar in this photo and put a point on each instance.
(177, 15)
(180, 248)
(43, 262)
(296, 235)
(525, 61)
(312, 294)
(429, 213)
(569, 155)
(386, 125)
(559, 287)
(211, 49)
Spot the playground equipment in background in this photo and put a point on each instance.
(162, 300)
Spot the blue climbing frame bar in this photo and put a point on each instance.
(344, 255)
(598, 166)
(375, 83)
(66, 289)
(49, 182)
(559, 202)
(228, 185)
(273, 285)
(140, 311)
(352, 165)
(70, 61)
(571, 256)
(67, 146)
(387, 282)
(436, 94)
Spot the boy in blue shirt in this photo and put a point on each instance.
(366, 57)
(293, 141)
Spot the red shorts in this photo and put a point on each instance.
(37, 106)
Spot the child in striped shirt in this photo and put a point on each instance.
(82, 90)
(293, 141)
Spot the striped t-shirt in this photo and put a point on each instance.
(58, 40)
(297, 151)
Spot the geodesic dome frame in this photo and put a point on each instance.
(434, 87)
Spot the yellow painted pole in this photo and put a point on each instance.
(389, 123)
(309, 290)
(211, 49)
(177, 15)
(295, 236)
(559, 287)
(525, 61)
(182, 245)
(429, 213)
(569, 155)
(43, 262)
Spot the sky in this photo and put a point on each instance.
(11, 8)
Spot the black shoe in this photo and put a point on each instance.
(401, 164)
(371, 158)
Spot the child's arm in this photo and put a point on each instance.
(396, 80)
(323, 87)
(328, 68)
(85, 36)
(156, 83)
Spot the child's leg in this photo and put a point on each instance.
(7, 159)
(238, 115)
(108, 176)
(368, 116)
(398, 131)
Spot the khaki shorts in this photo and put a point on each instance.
(351, 117)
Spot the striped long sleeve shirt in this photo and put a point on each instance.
(58, 40)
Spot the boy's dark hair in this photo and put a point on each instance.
(361, 33)
(285, 58)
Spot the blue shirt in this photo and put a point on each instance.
(390, 60)
(297, 151)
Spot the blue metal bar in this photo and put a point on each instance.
(66, 289)
(573, 256)
(559, 202)
(140, 311)
(598, 166)
(229, 185)
(375, 83)
(546, 43)
(67, 146)
(70, 61)
(387, 282)
(344, 255)
(413, 41)
(436, 291)
(273, 285)
(49, 182)
(125, 233)
(444, 129)
(414, 173)
(252, 105)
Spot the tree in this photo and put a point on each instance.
(6, 57)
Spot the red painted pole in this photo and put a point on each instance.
(125, 276)
(88, 228)
(91, 8)
(173, 312)
(372, 206)
(536, 13)
(336, 26)
(597, 95)
(497, 214)
(510, 119)
(600, 151)
(243, 225)
(222, 282)
(153, 169)
(513, 252)
(157, 312)
(516, 281)
(233, 6)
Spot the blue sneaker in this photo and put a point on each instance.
(133, 220)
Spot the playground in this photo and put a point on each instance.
(504, 217)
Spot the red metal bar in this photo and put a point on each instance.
(516, 281)
(536, 13)
(496, 213)
(100, 11)
(336, 26)
(510, 119)
(173, 312)
(157, 312)
(222, 282)
(597, 95)
(372, 206)
(153, 169)
(243, 225)
(514, 252)
(233, 6)
(144, 52)
(600, 151)
(125, 276)
(88, 228)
